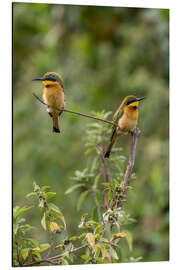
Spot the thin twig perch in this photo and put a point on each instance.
(59, 256)
(128, 173)
(78, 113)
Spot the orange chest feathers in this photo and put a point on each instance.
(54, 96)
(129, 119)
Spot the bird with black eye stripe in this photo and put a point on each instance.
(126, 117)
(53, 96)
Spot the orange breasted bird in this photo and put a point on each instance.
(53, 96)
(126, 117)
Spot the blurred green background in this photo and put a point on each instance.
(102, 54)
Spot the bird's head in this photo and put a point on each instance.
(131, 102)
(50, 78)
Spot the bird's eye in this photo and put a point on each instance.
(135, 107)
(52, 79)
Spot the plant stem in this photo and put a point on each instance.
(130, 166)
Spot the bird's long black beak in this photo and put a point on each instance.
(38, 79)
(139, 99)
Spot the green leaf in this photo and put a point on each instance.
(31, 194)
(81, 199)
(95, 214)
(57, 212)
(43, 221)
(24, 253)
(50, 194)
(69, 190)
(106, 184)
(27, 227)
(37, 254)
(15, 211)
(85, 257)
(113, 253)
(33, 241)
(15, 228)
(104, 251)
(19, 211)
(20, 220)
(129, 240)
(36, 187)
(73, 238)
(45, 187)
(44, 247)
(109, 195)
(64, 261)
(91, 239)
(83, 235)
(96, 181)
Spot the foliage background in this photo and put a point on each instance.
(103, 54)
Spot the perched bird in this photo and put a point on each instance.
(126, 118)
(53, 96)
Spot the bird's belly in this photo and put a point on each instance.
(54, 98)
(127, 125)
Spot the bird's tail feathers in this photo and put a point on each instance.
(55, 124)
(113, 138)
(108, 152)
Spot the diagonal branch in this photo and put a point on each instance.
(129, 169)
(78, 113)
(51, 259)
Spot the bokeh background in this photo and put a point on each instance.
(102, 54)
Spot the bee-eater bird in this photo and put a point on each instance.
(126, 117)
(53, 96)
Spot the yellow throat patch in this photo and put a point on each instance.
(135, 103)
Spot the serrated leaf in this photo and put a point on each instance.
(69, 190)
(43, 221)
(81, 199)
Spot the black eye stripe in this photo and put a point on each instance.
(130, 101)
(53, 79)
(50, 79)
